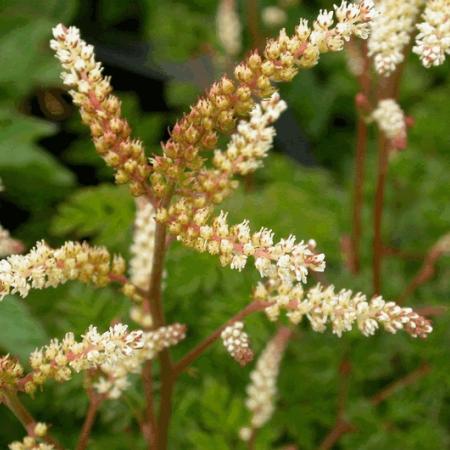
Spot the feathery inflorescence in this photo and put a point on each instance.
(101, 111)
(433, 39)
(262, 390)
(45, 267)
(391, 31)
(323, 306)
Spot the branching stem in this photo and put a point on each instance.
(197, 351)
(13, 402)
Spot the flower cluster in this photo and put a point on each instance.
(143, 244)
(100, 110)
(391, 31)
(230, 98)
(45, 267)
(228, 27)
(262, 390)
(8, 245)
(247, 148)
(286, 260)
(433, 40)
(273, 16)
(58, 359)
(236, 341)
(391, 120)
(323, 306)
(252, 140)
(11, 372)
(34, 441)
(113, 379)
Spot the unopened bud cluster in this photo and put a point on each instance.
(262, 390)
(34, 441)
(247, 148)
(228, 99)
(100, 110)
(391, 32)
(113, 379)
(433, 40)
(11, 372)
(58, 359)
(8, 245)
(45, 267)
(323, 306)
(237, 343)
(391, 120)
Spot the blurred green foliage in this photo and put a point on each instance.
(46, 197)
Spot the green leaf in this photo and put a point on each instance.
(33, 176)
(103, 213)
(20, 333)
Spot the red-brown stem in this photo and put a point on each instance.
(197, 351)
(425, 272)
(431, 311)
(383, 157)
(360, 157)
(252, 440)
(149, 425)
(341, 426)
(253, 23)
(392, 388)
(13, 402)
(403, 254)
(335, 434)
(156, 309)
(95, 401)
(387, 88)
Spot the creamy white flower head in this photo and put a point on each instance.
(324, 306)
(273, 16)
(228, 26)
(391, 120)
(261, 391)
(433, 39)
(253, 139)
(390, 32)
(143, 244)
(45, 267)
(114, 375)
(237, 343)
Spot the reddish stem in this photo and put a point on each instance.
(253, 23)
(197, 351)
(360, 156)
(425, 272)
(392, 388)
(361, 150)
(383, 154)
(12, 401)
(341, 426)
(94, 404)
(155, 305)
(150, 427)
